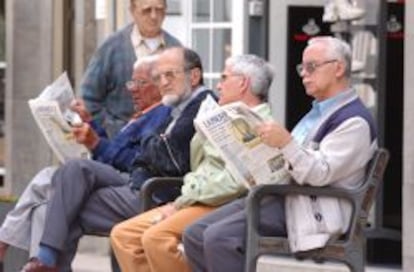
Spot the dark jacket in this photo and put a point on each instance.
(168, 154)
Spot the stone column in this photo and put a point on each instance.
(29, 27)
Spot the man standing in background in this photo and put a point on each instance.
(103, 86)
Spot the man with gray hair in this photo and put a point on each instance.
(103, 85)
(23, 225)
(148, 242)
(330, 146)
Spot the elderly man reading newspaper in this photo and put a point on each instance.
(24, 224)
(330, 146)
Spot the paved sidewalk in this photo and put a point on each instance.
(89, 262)
(93, 257)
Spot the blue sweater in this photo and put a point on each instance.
(120, 152)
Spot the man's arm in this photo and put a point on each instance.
(340, 154)
(94, 85)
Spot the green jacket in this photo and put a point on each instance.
(209, 182)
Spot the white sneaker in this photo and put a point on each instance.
(357, 66)
(348, 12)
(330, 13)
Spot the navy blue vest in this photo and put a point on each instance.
(352, 109)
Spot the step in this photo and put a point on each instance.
(285, 264)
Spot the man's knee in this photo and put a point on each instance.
(151, 240)
(192, 236)
(117, 235)
(74, 168)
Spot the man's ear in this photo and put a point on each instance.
(340, 71)
(245, 83)
(195, 76)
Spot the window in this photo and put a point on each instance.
(216, 32)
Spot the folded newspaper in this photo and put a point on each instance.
(231, 129)
(54, 118)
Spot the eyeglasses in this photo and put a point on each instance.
(149, 10)
(224, 77)
(311, 67)
(168, 75)
(136, 84)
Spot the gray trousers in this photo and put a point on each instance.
(23, 226)
(216, 242)
(88, 197)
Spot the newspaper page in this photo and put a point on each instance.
(231, 129)
(54, 118)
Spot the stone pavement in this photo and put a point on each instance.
(93, 257)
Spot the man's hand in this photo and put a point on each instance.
(273, 134)
(84, 134)
(164, 211)
(78, 106)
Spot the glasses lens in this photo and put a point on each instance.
(170, 75)
(130, 85)
(310, 67)
(299, 69)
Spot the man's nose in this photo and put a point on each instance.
(153, 13)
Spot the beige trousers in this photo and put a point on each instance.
(139, 245)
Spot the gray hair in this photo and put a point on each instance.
(258, 70)
(146, 62)
(336, 48)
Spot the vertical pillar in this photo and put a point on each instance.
(29, 43)
(83, 38)
(408, 147)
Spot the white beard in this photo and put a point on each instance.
(171, 99)
(175, 99)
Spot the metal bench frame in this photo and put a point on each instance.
(348, 248)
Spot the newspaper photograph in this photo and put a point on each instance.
(54, 118)
(231, 129)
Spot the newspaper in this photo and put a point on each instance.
(54, 118)
(231, 129)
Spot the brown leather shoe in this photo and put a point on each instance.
(34, 265)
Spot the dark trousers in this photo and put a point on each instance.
(216, 242)
(90, 197)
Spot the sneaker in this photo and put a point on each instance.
(330, 14)
(348, 12)
(357, 66)
(34, 265)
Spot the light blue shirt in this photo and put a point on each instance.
(319, 109)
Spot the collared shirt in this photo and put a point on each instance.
(319, 109)
(145, 46)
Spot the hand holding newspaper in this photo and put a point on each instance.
(231, 129)
(51, 110)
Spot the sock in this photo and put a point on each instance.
(47, 255)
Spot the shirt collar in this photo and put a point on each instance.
(138, 40)
(180, 107)
(324, 106)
